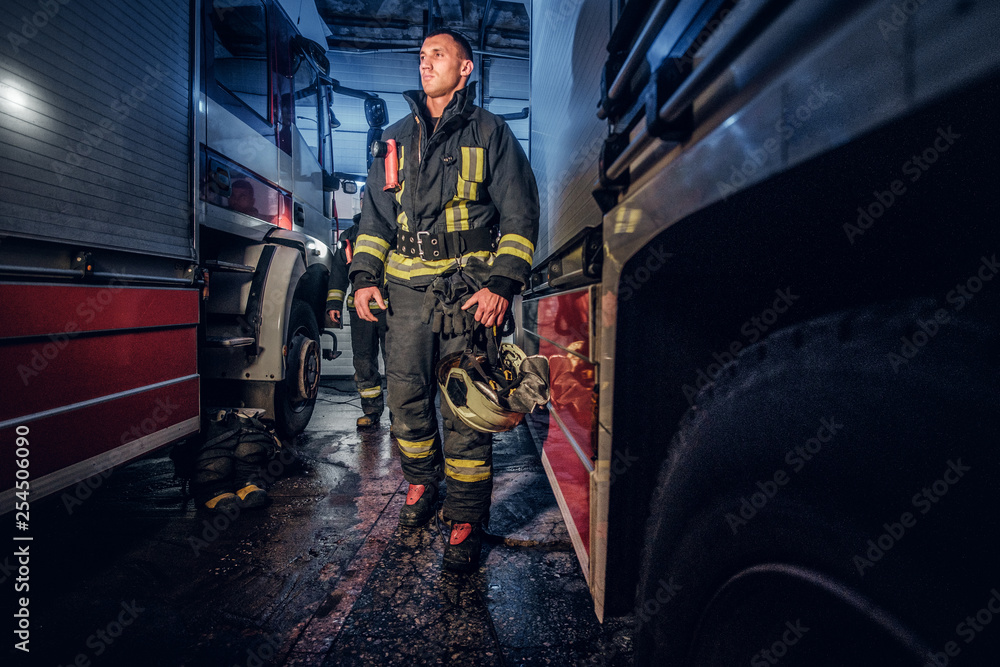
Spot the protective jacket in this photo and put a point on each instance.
(469, 173)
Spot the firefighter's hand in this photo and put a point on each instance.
(334, 316)
(492, 307)
(361, 299)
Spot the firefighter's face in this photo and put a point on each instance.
(443, 67)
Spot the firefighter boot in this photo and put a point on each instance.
(212, 481)
(225, 502)
(369, 420)
(252, 496)
(419, 507)
(461, 554)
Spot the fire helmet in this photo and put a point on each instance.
(493, 397)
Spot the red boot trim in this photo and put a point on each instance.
(414, 494)
(459, 532)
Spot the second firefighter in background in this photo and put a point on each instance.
(366, 336)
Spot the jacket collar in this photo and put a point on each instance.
(462, 104)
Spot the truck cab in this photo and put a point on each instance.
(165, 228)
(264, 129)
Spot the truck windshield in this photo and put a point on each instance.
(307, 106)
(240, 51)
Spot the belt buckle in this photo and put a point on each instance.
(420, 244)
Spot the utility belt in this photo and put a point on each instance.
(429, 246)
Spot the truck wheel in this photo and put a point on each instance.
(828, 500)
(295, 396)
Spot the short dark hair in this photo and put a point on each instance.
(459, 38)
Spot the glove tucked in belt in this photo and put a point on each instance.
(444, 298)
(442, 307)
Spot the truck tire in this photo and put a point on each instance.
(830, 499)
(295, 396)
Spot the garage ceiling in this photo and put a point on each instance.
(362, 25)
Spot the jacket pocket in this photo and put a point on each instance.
(471, 173)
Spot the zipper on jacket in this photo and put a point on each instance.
(416, 174)
(419, 137)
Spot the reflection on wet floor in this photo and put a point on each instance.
(125, 570)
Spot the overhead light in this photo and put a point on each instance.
(13, 95)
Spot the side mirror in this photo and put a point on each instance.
(313, 51)
(376, 112)
(374, 134)
(330, 182)
(349, 187)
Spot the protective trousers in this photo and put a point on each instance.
(365, 340)
(467, 457)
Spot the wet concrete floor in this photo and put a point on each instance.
(131, 573)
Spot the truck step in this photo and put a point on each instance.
(219, 341)
(231, 267)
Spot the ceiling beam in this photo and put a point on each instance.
(452, 11)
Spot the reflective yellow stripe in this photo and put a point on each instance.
(372, 245)
(471, 174)
(416, 450)
(468, 478)
(519, 240)
(516, 253)
(473, 163)
(335, 295)
(247, 490)
(407, 268)
(456, 215)
(466, 471)
(517, 246)
(467, 189)
(371, 392)
(379, 256)
(401, 218)
(399, 154)
(372, 305)
(218, 499)
(374, 241)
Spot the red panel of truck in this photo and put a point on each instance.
(53, 310)
(564, 333)
(71, 437)
(92, 368)
(44, 375)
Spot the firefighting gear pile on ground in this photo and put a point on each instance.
(225, 465)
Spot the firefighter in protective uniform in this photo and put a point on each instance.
(366, 337)
(463, 180)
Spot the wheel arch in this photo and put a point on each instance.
(720, 507)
